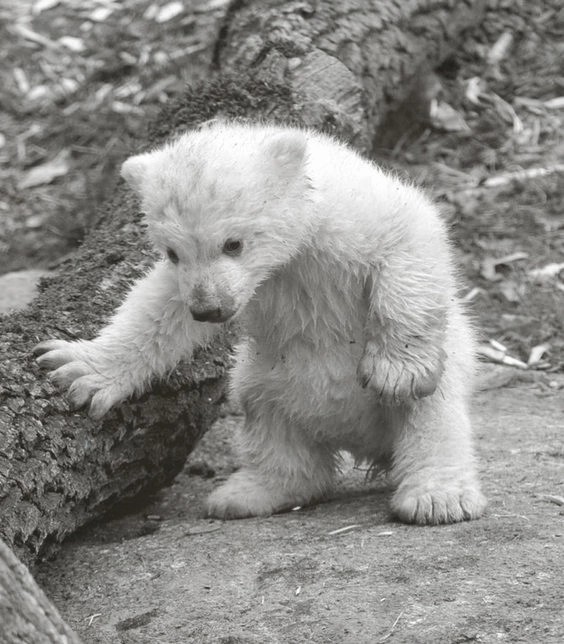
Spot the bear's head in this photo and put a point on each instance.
(228, 204)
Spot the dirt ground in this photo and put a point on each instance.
(343, 571)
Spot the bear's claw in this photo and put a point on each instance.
(69, 368)
(397, 381)
(447, 503)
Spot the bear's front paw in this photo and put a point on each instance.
(428, 503)
(399, 380)
(71, 367)
(245, 494)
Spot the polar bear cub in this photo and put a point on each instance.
(342, 278)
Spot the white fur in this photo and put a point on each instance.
(355, 339)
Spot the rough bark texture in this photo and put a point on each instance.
(338, 66)
(26, 615)
(347, 62)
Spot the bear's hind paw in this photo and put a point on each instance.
(438, 506)
(245, 494)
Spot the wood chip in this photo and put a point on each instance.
(43, 5)
(196, 531)
(345, 529)
(71, 42)
(445, 117)
(33, 36)
(553, 498)
(100, 14)
(21, 80)
(46, 172)
(555, 103)
(500, 48)
(169, 11)
(537, 353)
(521, 175)
(500, 357)
(547, 272)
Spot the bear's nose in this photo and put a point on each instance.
(210, 315)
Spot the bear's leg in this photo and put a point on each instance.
(283, 468)
(433, 464)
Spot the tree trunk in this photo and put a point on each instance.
(26, 615)
(346, 62)
(336, 65)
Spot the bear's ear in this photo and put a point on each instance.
(286, 152)
(135, 170)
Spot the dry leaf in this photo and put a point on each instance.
(215, 4)
(512, 257)
(100, 14)
(35, 221)
(473, 294)
(39, 93)
(71, 42)
(444, 117)
(498, 346)
(494, 355)
(506, 112)
(490, 264)
(151, 11)
(128, 58)
(500, 48)
(43, 5)
(347, 528)
(555, 103)
(487, 270)
(475, 87)
(546, 273)
(169, 11)
(33, 36)
(21, 80)
(511, 291)
(125, 108)
(128, 89)
(46, 172)
(553, 498)
(537, 353)
(522, 175)
(67, 87)
(102, 93)
(532, 104)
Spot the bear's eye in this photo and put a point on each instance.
(233, 247)
(172, 255)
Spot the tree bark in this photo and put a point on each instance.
(339, 66)
(346, 62)
(26, 615)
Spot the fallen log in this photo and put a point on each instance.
(26, 615)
